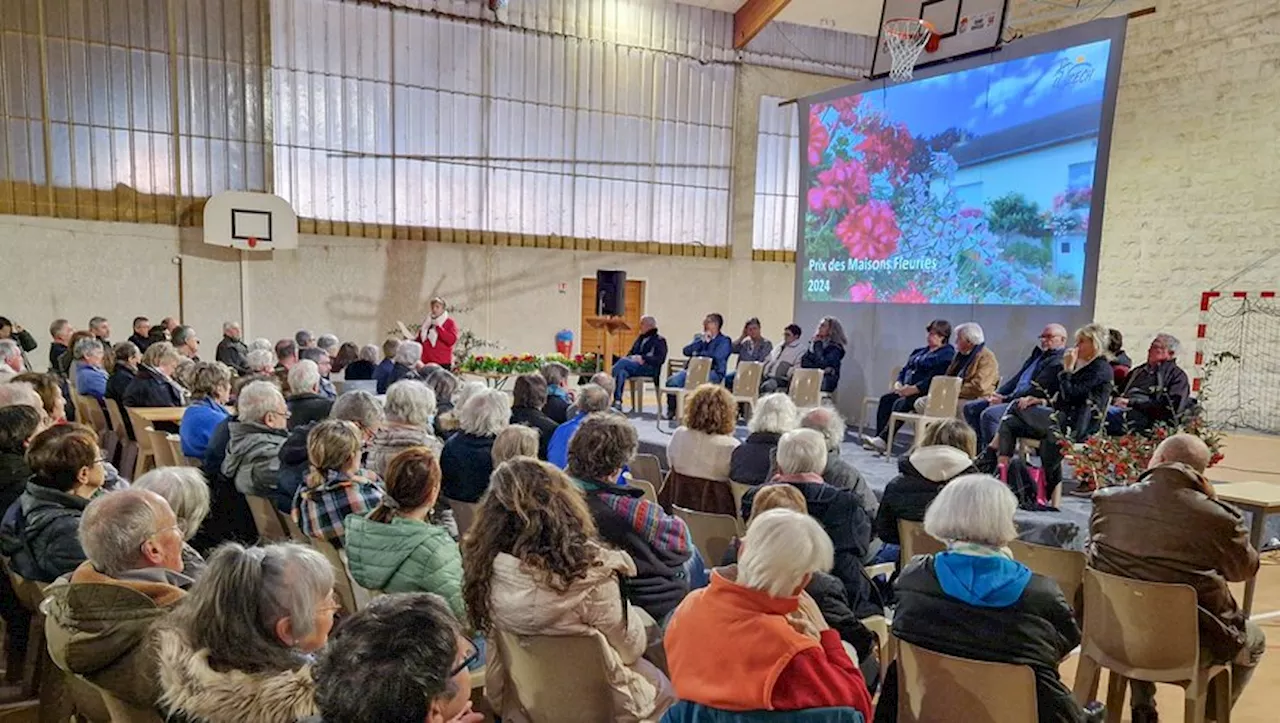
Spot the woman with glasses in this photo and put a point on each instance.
(533, 565)
(239, 647)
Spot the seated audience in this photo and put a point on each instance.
(389, 348)
(528, 398)
(955, 602)
(11, 363)
(710, 343)
(826, 352)
(1169, 527)
(402, 658)
(324, 364)
(945, 452)
(52, 400)
(395, 548)
(329, 343)
(466, 461)
(186, 342)
(347, 353)
(361, 409)
(99, 620)
(839, 473)
(405, 364)
(261, 343)
(252, 459)
(410, 409)
(648, 354)
(752, 461)
(974, 363)
(591, 399)
(141, 336)
(19, 424)
(913, 381)
(100, 328)
(515, 441)
(783, 360)
(659, 544)
(210, 390)
(259, 361)
(363, 367)
(286, 357)
(750, 346)
(558, 400)
(154, 386)
(182, 375)
(232, 350)
(445, 385)
(1038, 377)
(1084, 388)
(802, 455)
(437, 336)
(11, 331)
(239, 645)
(90, 377)
(753, 641)
(187, 493)
(337, 486)
(1154, 392)
(533, 566)
(122, 375)
(39, 532)
(304, 339)
(64, 362)
(159, 334)
(60, 331)
(306, 403)
(1116, 347)
(702, 450)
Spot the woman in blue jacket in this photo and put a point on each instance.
(210, 390)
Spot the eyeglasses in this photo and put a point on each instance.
(330, 605)
(285, 414)
(472, 657)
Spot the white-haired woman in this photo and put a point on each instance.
(411, 409)
(467, 458)
(826, 352)
(187, 493)
(263, 344)
(363, 368)
(774, 416)
(239, 646)
(445, 385)
(957, 601)
(974, 363)
(405, 363)
(260, 361)
(558, 399)
(802, 455)
(755, 619)
(1078, 409)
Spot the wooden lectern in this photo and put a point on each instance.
(608, 325)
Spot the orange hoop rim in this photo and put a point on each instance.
(917, 22)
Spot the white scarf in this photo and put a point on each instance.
(430, 326)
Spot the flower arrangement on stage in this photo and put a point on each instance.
(527, 363)
(1105, 461)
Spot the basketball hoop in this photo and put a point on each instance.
(906, 39)
(253, 242)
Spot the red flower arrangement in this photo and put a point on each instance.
(819, 138)
(870, 231)
(1105, 461)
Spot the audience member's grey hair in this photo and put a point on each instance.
(444, 384)
(229, 325)
(314, 354)
(801, 451)
(465, 392)
(302, 338)
(329, 343)
(555, 373)
(114, 527)
(829, 423)
(973, 508)
(1185, 448)
(516, 440)
(261, 361)
(257, 400)
(971, 332)
(262, 343)
(411, 402)
(593, 398)
(360, 407)
(186, 492)
(16, 394)
(605, 382)
(57, 326)
(10, 349)
(1170, 342)
(408, 353)
(370, 353)
(181, 336)
(782, 547)
(84, 349)
(486, 413)
(774, 413)
(304, 377)
(96, 323)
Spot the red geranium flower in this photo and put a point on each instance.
(819, 139)
(870, 231)
(862, 292)
(910, 295)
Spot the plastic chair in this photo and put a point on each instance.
(464, 513)
(1063, 566)
(557, 678)
(1148, 631)
(711, 534)
(352, 596)
(869, 400)
(879, 626)
(746, 384)
(650, 493)
(647, 468)
(944, 395)
(89, 411)
(806, 388)
(936, 687)
(636, 385)
(116, 417)
(739, 490)
(146, 453)
(160, 449)
(697, 373)
(913, 541)
(265, 519)
(179, 458)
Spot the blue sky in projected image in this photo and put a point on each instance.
(993, 97)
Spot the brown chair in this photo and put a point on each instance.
(696, 493)
(265, 519)
(915, 541)
(746, 384)
(1063, 566)
(116, 418)
(557, 678)
(1148, 631)
(180, 459)
(806, 388)
(646, 467)
(711, 533)
(146, 452)
(934, 687)
(38, 667)
(89, 411)
(944, 395)
(869, 400)
(352, 596)
(697, 373)
(464, 513)
(160, 449)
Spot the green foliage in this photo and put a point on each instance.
(1013, 213)
(1036, 253)
(1062, 287)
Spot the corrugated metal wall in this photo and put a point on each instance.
(777, 205)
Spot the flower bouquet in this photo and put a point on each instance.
(1104, 461)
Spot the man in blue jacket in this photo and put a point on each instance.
(710, 343)
(645, 359)
(1039, 371)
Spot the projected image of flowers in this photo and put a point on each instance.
(971, 187)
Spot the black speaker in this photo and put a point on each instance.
(611, 293)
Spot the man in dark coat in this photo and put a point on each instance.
(231, 350)
(648, 354)
(1154, 392)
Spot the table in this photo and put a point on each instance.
(1258, 499)
(159, 414)
(497, 380)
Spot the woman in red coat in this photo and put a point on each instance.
(438, 335)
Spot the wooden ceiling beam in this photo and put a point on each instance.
(752, 17)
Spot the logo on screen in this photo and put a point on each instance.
(1071, 72)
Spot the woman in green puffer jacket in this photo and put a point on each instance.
(396, 548)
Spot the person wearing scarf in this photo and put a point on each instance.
(974, 363)
(438, 335)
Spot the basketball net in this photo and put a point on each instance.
(906, 39)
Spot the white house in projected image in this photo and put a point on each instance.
(1040, 160)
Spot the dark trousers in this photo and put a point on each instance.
(1037, 422)
(889, 404)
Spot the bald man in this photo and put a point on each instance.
(1038, 377)
(647, 355)
(1169, 527)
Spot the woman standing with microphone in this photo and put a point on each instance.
(438, 335)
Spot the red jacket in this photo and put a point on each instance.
(731, 648)
(442, 351)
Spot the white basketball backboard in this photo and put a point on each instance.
(963, 26)
(250, 221)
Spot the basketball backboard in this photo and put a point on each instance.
(250, 221)
(963, 27)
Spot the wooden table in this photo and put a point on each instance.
(1259, 499)
(159, 414)
(497, 380)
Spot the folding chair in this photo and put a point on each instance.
(936, 687)
(944, 394)
(746, 385)
(711, 533)
(697, 373)
(806, 388)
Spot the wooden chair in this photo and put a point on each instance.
(464, 513)
(936, 687)
(265, 519)
(647, 468)
(352, 596)
(711, 533)
(146, 452)
(806, 388)
(869, 401)
(1063, 566)
(915, 541)
(560, 678)
(160, 449)
(697, 373)
(89, 411)
(944, 394)
(180, 459)
(36, 668)
(746, 385)
(650, 493)
(1148, 631)
(116, 418)
(739, 490)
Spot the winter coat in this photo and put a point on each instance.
(395, 438)
(687, 712)
(97, 627)
(191, 688)
(827, 356)
(233, 353)
(466, 461)
(14, 474)
(920, 479)
(91, 381)
(924, 364)
(41, 541)
(843, 475)
(359, 371)
(121, 377)
(1044, 378)
(230, 518)
(705, 456)
(151, 388)
(521, 603)
(557, 406)
(752, 461)
(535, 418)
(308, 407)
(651, 347)
(405, 555)
(252, 460)
(198, 423)
(1083, 397)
